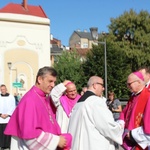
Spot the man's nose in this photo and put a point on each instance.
(53, 84)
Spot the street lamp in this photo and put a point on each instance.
(94, 33)
(10, 68)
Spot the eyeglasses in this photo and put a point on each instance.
(100, 84)
(129, 84)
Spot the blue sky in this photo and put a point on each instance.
(67, 16)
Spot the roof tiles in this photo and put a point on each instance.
(19, 9)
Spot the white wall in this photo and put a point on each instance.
(24, 32)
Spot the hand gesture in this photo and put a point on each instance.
(62, 142)
(66, 82)
(4, 116)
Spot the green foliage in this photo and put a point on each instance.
(124, 55)
(69, 68)
(94, 64)
(138, 48)
(116, 72)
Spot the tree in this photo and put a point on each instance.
(131, 34)
(128, 47)
(131, 31)
(117, 67)
(69, 68)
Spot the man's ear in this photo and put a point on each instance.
(94, 86)
(40, 79)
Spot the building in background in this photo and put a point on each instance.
(81, 39)
(56, 49)
(24, 45)
(82, 42)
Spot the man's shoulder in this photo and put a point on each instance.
(95, 99)
(87, 99)
(11, 96)
(30, 97)
(147, 91)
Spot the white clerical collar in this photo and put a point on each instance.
(138, 92)
(147, 84)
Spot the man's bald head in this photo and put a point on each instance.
(96, 85)
(71, 90)
(93, 80)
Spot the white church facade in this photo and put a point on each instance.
(24, 45)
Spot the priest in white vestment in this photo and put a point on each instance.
(92, 124)
(7, 106)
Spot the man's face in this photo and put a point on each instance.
(99, 86)
(132, 84)
(3, 90)
(46, 83)
(71, 91)
(111, 97)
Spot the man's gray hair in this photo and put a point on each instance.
(44, 71)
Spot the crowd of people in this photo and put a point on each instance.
(56, 117)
